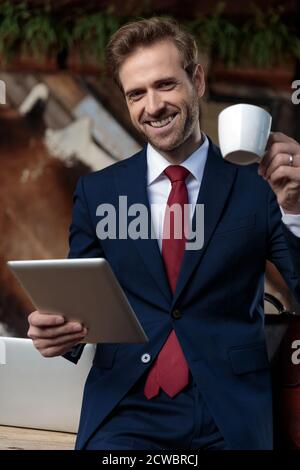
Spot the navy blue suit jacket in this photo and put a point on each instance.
(219, 294)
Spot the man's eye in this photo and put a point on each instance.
(135, 95)
(167, 85)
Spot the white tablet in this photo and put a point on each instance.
(85, 290)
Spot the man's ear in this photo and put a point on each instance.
(199, 80)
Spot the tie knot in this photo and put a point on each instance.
(176, 173)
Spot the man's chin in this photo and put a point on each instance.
(163, 146)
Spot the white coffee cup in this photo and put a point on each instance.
(243, 133)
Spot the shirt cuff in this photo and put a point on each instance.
(292, 222)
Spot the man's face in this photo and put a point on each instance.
(162, 100)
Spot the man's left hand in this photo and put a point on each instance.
(280, 166)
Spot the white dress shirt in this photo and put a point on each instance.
(292, 221)
(159, 187)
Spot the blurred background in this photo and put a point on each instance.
(62, 116)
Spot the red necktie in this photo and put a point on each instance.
(170, 370)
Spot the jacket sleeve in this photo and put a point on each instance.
(83, 243)
(83, 240)
(283, 247)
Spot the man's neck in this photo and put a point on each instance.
(181, 153)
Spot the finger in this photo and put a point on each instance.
(290, 148)
(288, 172)
(281, 159)
(42, 343)
(279, 137)
(53, 331)
(274, 150)
(288, 198)
(45, 319)
(54, 351)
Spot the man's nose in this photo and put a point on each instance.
(154, 104)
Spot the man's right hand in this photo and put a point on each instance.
(52, 335)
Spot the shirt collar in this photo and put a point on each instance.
(195, 163)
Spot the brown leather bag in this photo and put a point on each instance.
(283, 343)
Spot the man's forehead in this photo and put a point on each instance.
(151, 63)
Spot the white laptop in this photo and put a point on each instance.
(38, 392)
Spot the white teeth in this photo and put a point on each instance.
(162, 123)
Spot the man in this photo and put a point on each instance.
(202, 381)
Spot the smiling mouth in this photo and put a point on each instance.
(162, 122)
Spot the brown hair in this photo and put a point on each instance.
(146, 32)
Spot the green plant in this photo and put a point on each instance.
(217, 34)
(262, 40)
(12, 18)
(92, 32)
(30, 32)
(266, 40)
(40, 34)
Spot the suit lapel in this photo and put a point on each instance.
(217, 181)
(131, 180)
(218, 177)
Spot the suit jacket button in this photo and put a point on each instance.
(146, 358)
(176, 314)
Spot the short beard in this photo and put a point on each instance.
(184, 133)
